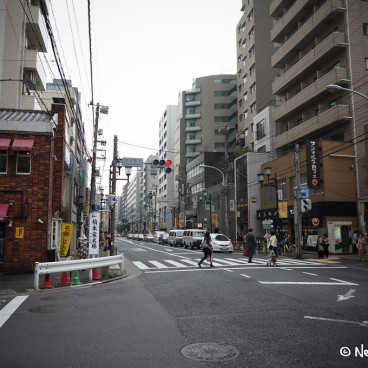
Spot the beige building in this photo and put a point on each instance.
(254, 72)
(22, 69)
(322, 43)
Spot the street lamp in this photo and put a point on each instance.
(333, 88)
(261, 179)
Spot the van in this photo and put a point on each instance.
(175, 238)
(193, 238)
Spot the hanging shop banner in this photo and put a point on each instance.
(283, 209)
(313, 170)
(94, 233)
(66, 236)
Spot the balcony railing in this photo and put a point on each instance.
(33, 62)
(331, 116)
(36, 30)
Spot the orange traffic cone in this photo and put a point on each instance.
(64, 279)
(95, 275)
(47, 282)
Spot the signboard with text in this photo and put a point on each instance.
(94, 233)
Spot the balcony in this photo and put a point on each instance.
(323, 50)
(191, 154)
(33, 62)
(36, 30)
(192, 91)
(306, 32)
(332, 116)
(193, 116)
(192, 103)
(309, 93)
(193, 141)
(195, 128)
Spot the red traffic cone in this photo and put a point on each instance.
(95, 275)
(47, 282)
(64, 279)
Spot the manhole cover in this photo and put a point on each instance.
(52, 308)
(210, 352)
(53, 298)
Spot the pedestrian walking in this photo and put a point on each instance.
(206, 249)
(107, 243)
(250, 243)
(273, 242)
(321, 251)
(361, 244)
(325, 245)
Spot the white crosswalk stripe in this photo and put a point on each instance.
(218, 262)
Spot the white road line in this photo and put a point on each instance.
(10, 308)
(158, 264)
(189, 261)
(306, 283)
(361, 324)
(174, 263)
(140, 265)
(247, 276)
(310, 273)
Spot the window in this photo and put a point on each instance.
(3, 162)
(24, 162)
(366, 63)
(365, 29)
(253, 107)
(252, 88)
(260, 133)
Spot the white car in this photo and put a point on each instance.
(148, 237)
(221, 243)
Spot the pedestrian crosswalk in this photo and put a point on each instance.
(218, 262)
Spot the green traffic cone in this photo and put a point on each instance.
(77, 281)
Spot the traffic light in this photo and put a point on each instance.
(168, 166)
(162, 164)
(306, 205)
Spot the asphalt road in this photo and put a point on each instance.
(168, 312)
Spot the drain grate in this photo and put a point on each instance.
(52, 308)
(210, 352)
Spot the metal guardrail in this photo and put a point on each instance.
(75, 265)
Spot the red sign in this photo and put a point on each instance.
(315, 221)
(253, 199)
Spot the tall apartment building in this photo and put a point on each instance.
(23, 39)
(165, 193)
(322, 43)
(254, 72)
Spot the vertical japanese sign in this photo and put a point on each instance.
(283, 209)
(66, 236)
(313, 171)
(94, 233)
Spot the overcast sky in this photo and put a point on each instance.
(144, 53)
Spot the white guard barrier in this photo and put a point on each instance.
(75, 265)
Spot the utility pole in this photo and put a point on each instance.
(227, 131)
(113, 188)
(297, 209)
(93, 173)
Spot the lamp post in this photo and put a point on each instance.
(224, 184)
(261, 179)
(333, 88)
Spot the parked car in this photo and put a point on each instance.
(175, 237)
(148, 237)
(164, 238)
(193, 238)
(140, 237)
(156, 236)
(135, 236)
(221, 243)
(129, 236)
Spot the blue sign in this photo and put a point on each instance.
(304, 192)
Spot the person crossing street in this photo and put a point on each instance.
(250, 243)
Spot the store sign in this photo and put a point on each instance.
(94, 233)
(313, 169)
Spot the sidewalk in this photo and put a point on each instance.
(11, 284)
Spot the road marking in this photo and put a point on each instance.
(346, 296)
(310, 273)
(361, 324)
(10, 308)
(247, 276)
(140, 265)
(339, 282)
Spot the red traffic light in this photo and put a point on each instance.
(168, 162)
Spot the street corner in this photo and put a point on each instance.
(330, 260)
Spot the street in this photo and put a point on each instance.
(168, 312)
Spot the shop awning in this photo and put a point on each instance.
(3, 211)
(22, 144)
(4, 143)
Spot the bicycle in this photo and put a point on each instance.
(291, 249)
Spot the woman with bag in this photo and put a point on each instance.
(206, 249)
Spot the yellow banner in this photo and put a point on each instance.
(214, 218)
(283, 209)
(66, 236)
(19, 232)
